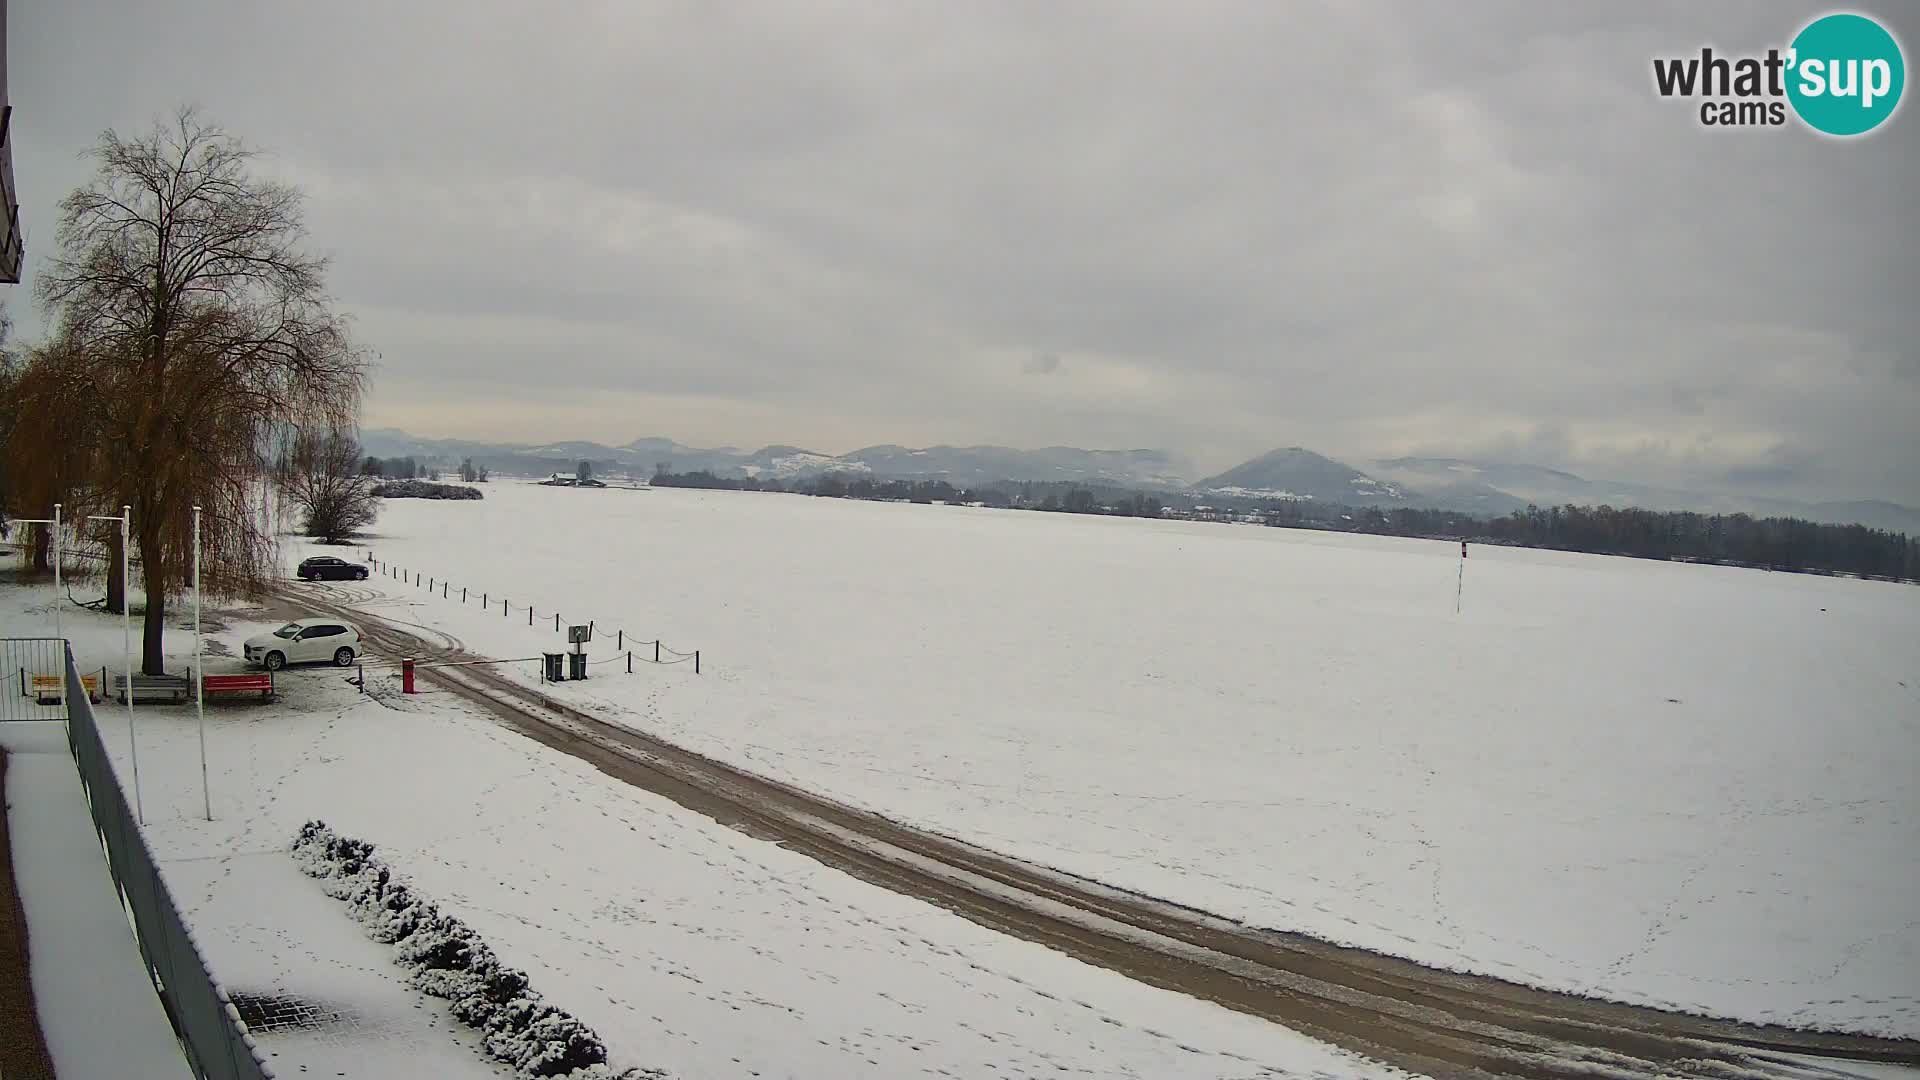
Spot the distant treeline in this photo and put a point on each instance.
(1780, 543)
(397, 468)
(1735, 539)
(838, 485)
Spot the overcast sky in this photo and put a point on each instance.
(1368, 229)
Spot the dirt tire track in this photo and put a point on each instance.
(1405, 1014)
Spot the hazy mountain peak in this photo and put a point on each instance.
(1295, 472)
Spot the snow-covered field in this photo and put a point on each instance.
(1661, 783)
(687, 945)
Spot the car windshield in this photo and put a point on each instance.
(292, 629)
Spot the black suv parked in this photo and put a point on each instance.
(323, 567)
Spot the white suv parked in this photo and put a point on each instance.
(305, 641)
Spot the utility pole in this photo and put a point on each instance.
(53, 523)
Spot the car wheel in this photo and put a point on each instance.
(274, 661)
(342, 657)
(361, 576)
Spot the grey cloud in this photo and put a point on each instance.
(1042, 364)
(1365, 228)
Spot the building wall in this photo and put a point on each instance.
(12, 248)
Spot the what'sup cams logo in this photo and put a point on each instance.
(1842, 75)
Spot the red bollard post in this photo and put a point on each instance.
(406, 676)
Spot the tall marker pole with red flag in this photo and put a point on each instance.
(1461, 580)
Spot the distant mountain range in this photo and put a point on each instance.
(1294, 473)
(962, 466)
(1458, 482)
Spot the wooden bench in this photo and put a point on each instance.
(245, 683)
(167, 688)
(47, 689)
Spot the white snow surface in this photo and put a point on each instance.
(96, 1004)
(686, 945)
(1671, 784)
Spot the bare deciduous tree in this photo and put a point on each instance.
(322, 478)
(205, 330)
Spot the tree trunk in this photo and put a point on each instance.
(116, 582)
(43, 549)
(153, 652)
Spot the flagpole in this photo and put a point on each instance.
(57, 593)
(199, 675)
(126, 644)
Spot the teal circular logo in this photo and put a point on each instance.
(1845, 74)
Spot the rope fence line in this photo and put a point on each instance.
(445, 589)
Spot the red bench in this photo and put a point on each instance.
(246, 683)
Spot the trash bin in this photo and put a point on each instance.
(551, 669)
(576, 665)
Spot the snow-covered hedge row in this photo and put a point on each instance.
(448, 960)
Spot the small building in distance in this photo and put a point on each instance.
(567, 479)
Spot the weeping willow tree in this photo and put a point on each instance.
(50, 452)
(197, 329)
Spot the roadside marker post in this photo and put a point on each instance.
(1461, 580)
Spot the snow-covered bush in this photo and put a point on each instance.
(446, 959)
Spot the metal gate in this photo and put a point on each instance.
(36, 683)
